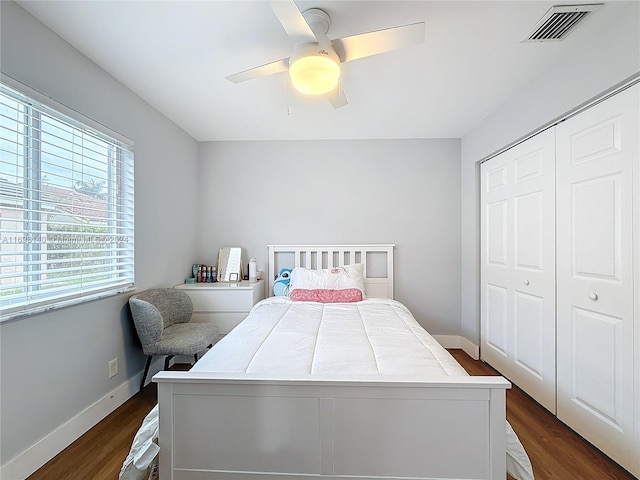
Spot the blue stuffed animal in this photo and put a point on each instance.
(281, 282)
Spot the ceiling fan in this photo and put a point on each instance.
(314, 65)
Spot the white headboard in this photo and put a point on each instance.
(377, 260)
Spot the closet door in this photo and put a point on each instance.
(597, 152)
(518, 266)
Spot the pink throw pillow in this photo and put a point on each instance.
(326, 296)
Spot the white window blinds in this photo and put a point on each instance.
(66, 209)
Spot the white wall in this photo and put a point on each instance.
(54, 365)
(612, 57)
(405, 192)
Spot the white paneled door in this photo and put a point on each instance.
(518, 266)
(597, 152)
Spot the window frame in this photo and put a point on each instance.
(113, 253)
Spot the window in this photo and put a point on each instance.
(66, 208)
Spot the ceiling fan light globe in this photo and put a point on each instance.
(314, 75)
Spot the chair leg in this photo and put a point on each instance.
(166, 361)
(195, 356)
(146, 370)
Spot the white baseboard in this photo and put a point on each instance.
(49, 446)
(457, 341)
(470, 348)
(448, 341)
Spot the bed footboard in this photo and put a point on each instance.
(252, 426)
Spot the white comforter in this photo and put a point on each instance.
(375, 336)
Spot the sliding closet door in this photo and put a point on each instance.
(597, 152)
(518, 266)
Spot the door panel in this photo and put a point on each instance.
(597, 202)
(597, 152)
(601, 139)
(496, 315)
(518, 266)
(529, 333)
(497, 234)
(528, 231)
(496, 178)
(529, 166)
(596, 338)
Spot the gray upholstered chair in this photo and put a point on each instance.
(162, 319)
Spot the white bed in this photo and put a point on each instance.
(342, 391)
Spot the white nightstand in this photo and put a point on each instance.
(223, 303)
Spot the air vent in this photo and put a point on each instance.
(559, 21)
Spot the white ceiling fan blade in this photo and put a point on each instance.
(337, 98)
(380, 41)
(293, 22)
(261, 71)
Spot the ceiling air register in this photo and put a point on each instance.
(559, 21)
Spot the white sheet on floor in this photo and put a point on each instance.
(372, 337)
(144, 450)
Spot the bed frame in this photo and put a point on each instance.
(277, 427)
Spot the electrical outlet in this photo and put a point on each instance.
(113, 367)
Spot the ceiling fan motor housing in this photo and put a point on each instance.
(321, 49)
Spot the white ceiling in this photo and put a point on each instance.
(176, 54)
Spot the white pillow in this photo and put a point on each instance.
(337, 278)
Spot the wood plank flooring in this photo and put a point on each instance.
(99, 453)
(556, 452)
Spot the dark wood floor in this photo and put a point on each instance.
(556, 452)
